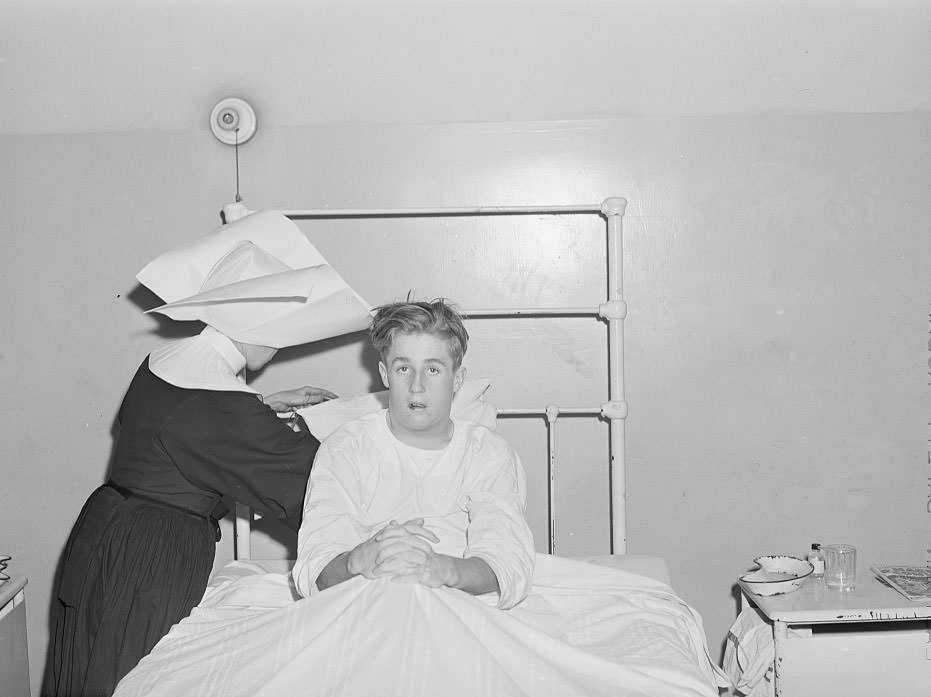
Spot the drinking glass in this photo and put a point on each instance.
(840, 567)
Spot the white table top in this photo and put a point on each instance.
(815, 603)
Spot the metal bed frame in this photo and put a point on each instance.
(613, 311)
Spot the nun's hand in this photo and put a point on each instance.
(288, 400)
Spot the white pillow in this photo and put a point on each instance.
(468, 405)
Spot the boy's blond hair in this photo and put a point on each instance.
(437, 317)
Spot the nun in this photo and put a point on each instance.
(193, 434)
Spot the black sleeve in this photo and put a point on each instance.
(232, 443)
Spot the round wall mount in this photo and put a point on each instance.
(232, 121)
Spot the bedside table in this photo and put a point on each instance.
(14, 658)
(870, 641)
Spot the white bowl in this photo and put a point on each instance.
(778, 573)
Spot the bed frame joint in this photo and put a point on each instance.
(614, 206)
(614, 409)
(613, 310)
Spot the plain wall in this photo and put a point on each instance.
(779, 317)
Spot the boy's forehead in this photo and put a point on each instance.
(422, 345)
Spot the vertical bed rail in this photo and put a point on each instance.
(242, 532)
(615, 409)
(552, 413)
(613, 311)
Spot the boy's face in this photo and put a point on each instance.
(421, 379)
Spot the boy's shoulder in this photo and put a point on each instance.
(352, 431)
(482, 435)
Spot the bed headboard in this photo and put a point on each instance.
(613, 311)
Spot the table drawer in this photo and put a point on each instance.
(853, 659)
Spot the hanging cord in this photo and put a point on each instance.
(234, 211)
(236, 144)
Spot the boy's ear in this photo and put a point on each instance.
(383, 371)
(459, 378)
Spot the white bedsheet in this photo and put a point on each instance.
(585, 629)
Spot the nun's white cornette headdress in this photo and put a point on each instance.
(257, 280)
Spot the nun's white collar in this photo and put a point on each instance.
(208, 361)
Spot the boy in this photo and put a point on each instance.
(459, 487)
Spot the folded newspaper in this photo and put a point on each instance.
(914, 582)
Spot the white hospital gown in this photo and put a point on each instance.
(471, 494)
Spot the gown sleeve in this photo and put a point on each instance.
(498, 532)
(234, 444)
(331, 521)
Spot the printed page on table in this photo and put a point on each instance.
(914, 582)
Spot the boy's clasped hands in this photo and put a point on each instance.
(403, 553)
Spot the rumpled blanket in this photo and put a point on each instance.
(583, 630)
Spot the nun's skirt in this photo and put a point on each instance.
(131, 569)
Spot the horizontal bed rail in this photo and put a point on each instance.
(461, 211)
(533, 312)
